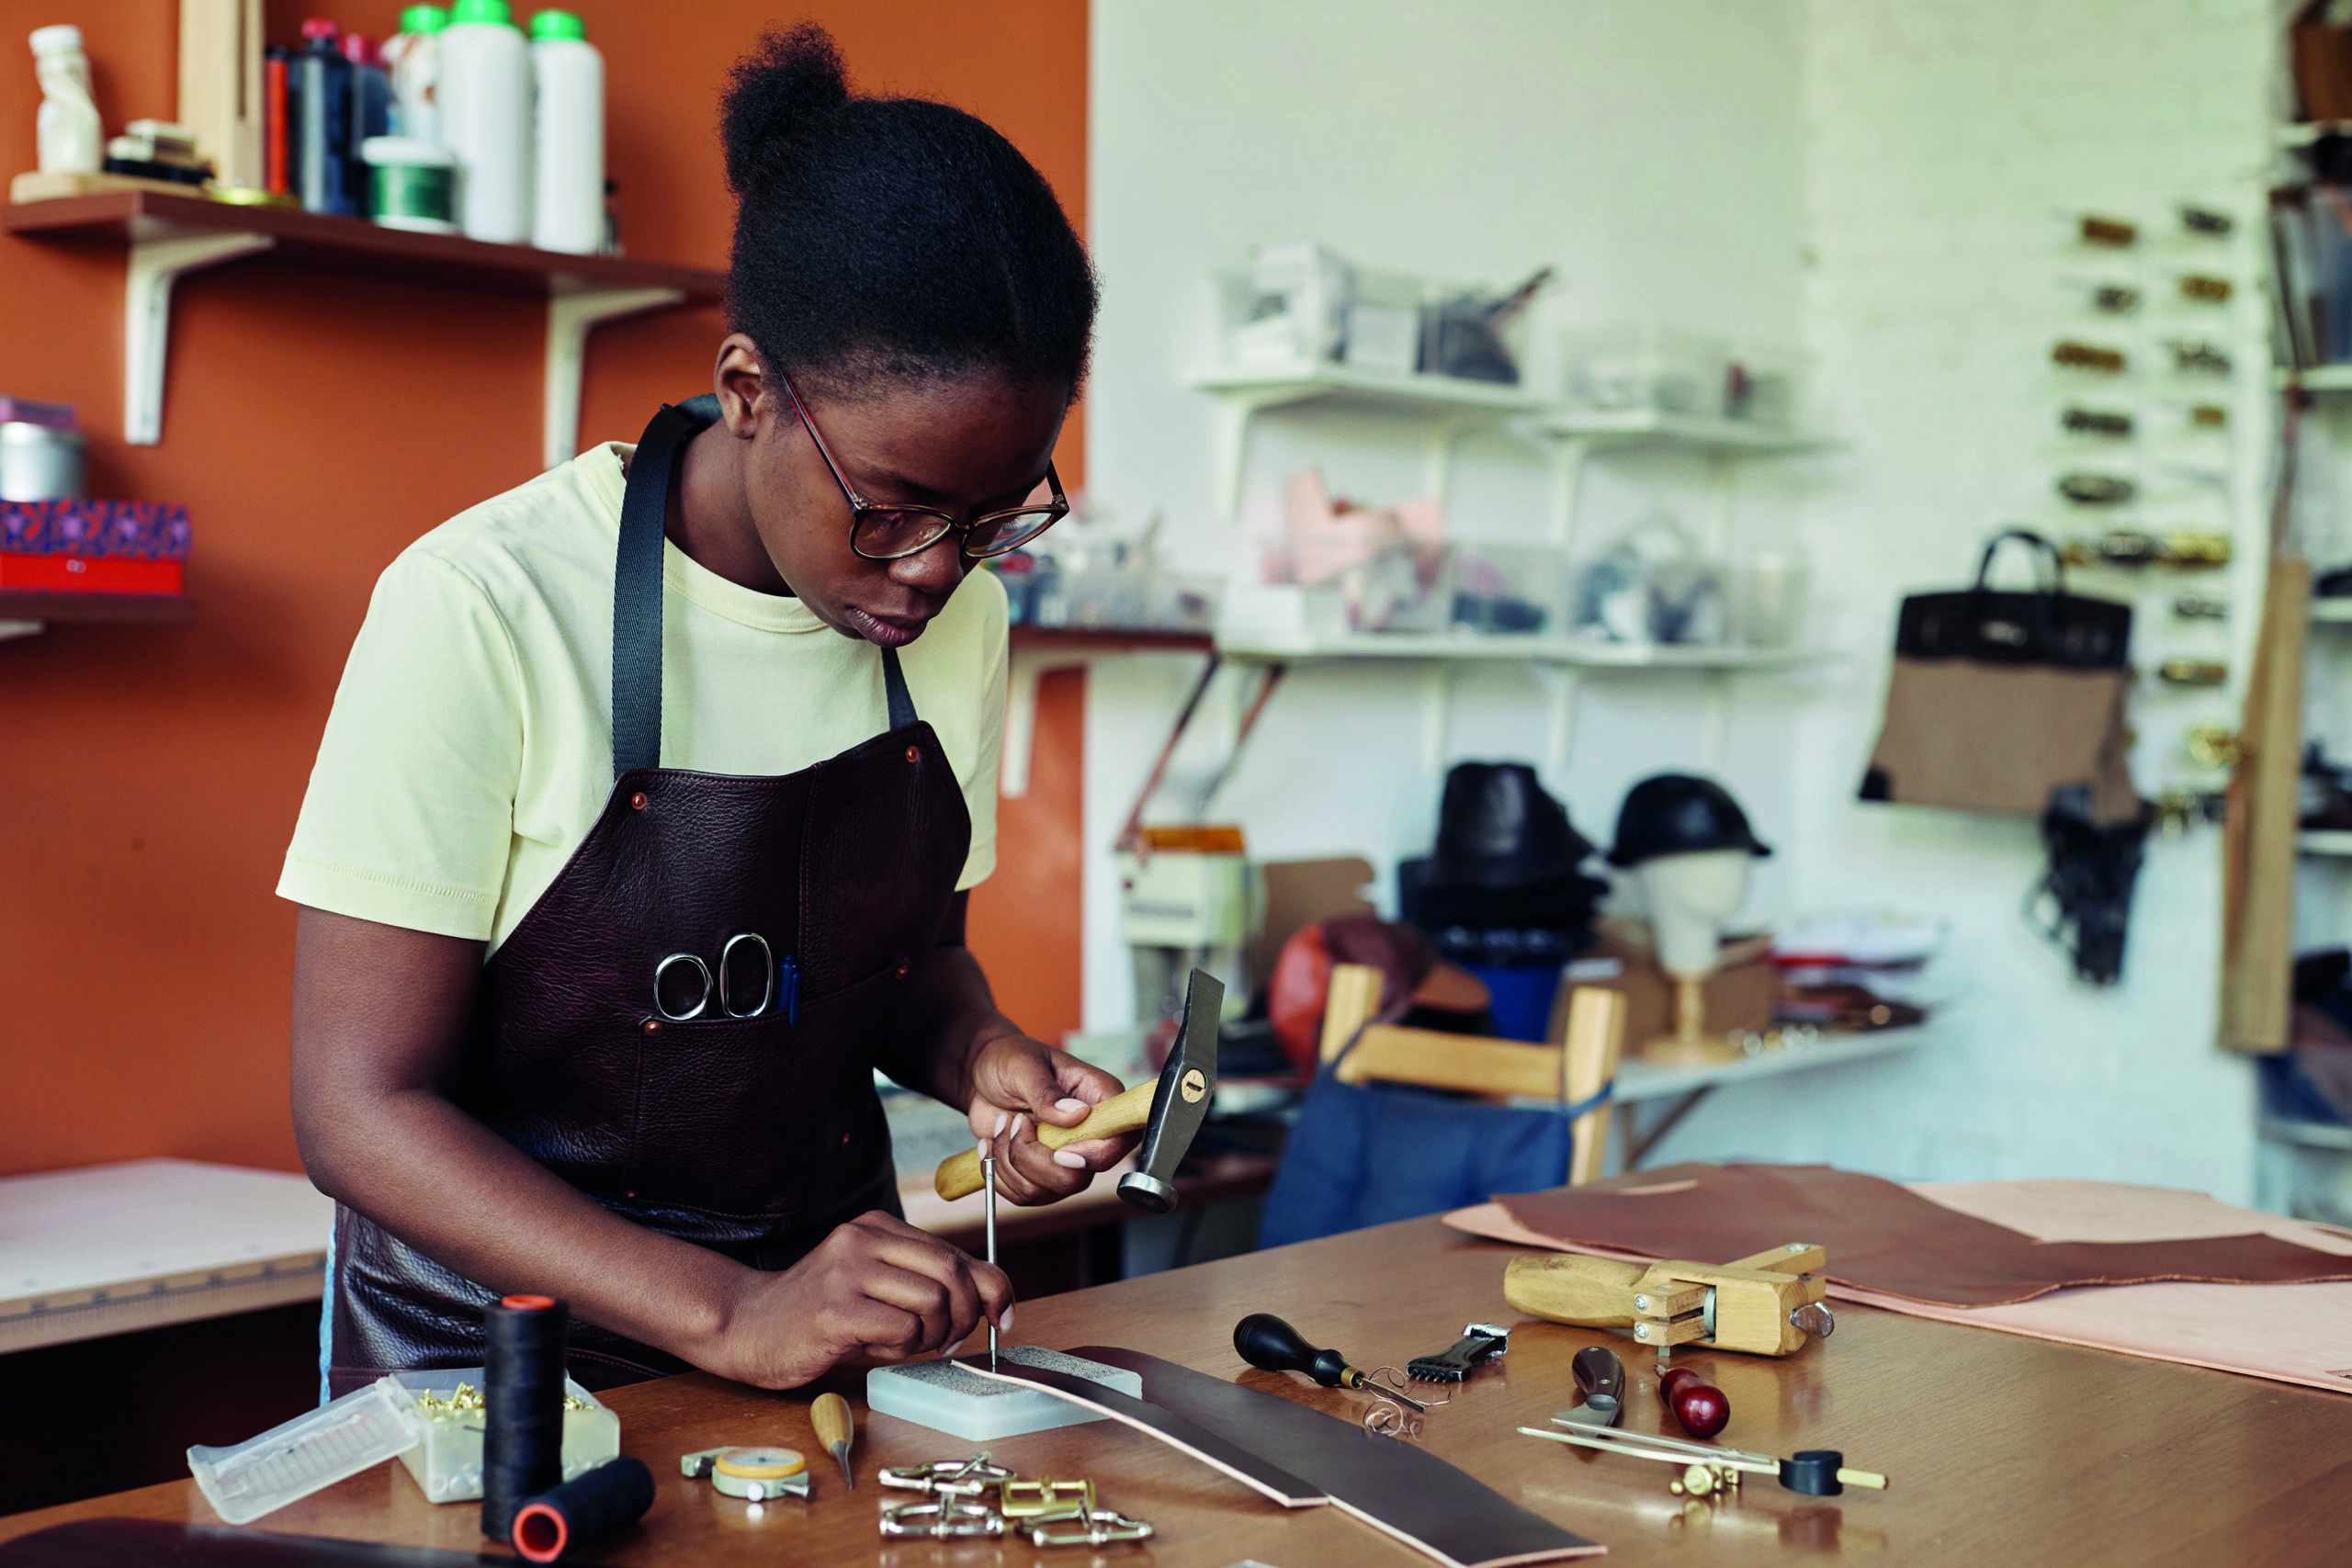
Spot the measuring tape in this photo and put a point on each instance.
(753, 1474)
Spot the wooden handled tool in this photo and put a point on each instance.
(1765, 1305)
(959, 1175)
(1168, 1111)
(835, 1429)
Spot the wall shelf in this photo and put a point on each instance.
(2332, 611)
(1450, 403)
(2314, 378)
(1650, 427)
(24, 611)
(168, 236)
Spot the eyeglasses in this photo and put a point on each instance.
(892, 533)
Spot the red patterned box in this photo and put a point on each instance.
(93, 547)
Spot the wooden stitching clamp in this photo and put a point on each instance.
(1770, 1304)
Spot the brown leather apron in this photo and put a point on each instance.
(750, 1127)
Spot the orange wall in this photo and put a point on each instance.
(314, 426)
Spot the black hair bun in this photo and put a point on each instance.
(793, 78)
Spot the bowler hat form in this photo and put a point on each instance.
(1676, 814)
(1498, 829)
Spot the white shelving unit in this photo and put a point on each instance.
(1567, 663)
(2324, 841)
(2332, 612)
(2315, 377)
(1450, 405)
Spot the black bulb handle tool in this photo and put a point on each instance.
(1266, 1341)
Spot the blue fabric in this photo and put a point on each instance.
(1520, 996)
(1366, 1153)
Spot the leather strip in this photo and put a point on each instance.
(131, 1543)
(1398, 1487)
(1394, 1487)
(1883, 1238)
(1234, 1459)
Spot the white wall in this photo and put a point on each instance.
(1651, 152)
(1878, 180)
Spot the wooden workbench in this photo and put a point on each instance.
(2000, 1449)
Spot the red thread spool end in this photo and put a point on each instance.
(541, 1532)
(528, 1304)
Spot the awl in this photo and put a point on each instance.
(834, 1430)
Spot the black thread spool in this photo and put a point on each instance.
(522, 1438)
(583, 1511)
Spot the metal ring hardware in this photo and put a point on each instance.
(1095, 1527)
(942, 1519)
(948, 1477)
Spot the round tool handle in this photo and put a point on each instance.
(1265, 1340)
(830, 1414)
(1127, 1111)
(1597, 1292)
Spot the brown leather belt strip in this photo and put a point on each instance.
(1394, 1486)
(1211, 1449)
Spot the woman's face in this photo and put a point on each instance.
(965, 447)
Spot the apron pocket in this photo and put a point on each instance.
(760, 1119)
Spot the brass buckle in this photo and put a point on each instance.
(942, 1519)
(1093, 1527)
(1034, 1499)
(948, 1477)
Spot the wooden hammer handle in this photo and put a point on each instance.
(1126, 1112)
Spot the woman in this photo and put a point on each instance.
(626, 859)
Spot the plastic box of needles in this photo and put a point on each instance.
(448, 1463)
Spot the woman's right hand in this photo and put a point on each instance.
(876, 1288)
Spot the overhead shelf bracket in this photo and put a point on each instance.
(155, 265)
(570, 318)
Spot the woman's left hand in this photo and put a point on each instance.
(1017, 1083)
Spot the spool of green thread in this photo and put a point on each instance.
(410, 185)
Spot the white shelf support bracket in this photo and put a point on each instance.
(1234, 410)
(1718, 720)
(1567, 485)
(1436, 459)
(155, 266)
(570, 318)
(1437, 711)
(1029, 667)
(1560, 739)
(10, 630)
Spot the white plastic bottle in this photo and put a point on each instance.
(568, 136)
(413, 56)
(66, 126)
(485, 103)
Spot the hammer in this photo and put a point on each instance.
(1170, 1111)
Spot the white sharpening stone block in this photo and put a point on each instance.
(946, 1398)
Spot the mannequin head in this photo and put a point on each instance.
(1691, 897)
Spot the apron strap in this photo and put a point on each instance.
(636, 593)
(894, 687)
(636, 583)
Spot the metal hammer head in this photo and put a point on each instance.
(1187, 1084)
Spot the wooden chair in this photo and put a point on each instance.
(1571, 1071)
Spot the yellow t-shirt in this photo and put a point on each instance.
(470, 749)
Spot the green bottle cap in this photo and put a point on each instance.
(494, 12)
(557, 24)
(423, 19)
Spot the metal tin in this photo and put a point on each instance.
(38, 463)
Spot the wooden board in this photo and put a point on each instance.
(1999, 1448)
(2258, 839)
(350, 245)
